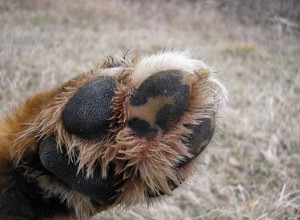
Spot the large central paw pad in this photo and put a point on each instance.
(158, 103)
(136, 126)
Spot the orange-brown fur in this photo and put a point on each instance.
(12, 126)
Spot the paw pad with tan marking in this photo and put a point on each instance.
(120, 134)
(158, 103)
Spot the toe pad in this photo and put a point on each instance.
(88, 111)
(102, 190)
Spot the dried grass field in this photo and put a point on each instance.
(254, 173)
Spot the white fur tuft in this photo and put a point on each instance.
(152, 64)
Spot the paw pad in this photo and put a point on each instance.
(200, 137)
(88, 111)
(158, 103)
(101, 190)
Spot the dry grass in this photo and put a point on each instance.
(255, 173)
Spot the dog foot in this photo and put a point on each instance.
(125, 132)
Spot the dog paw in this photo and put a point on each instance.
(128, 131)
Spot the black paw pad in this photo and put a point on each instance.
(159, 102)
(102, 190)
(200, 138)
(88, 111)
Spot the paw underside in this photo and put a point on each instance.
(154, 108)
(117, 138)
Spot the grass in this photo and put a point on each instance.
(255, 172)
(241, 49)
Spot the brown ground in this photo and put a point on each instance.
(255, 172)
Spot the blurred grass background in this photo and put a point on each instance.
(255, 48)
